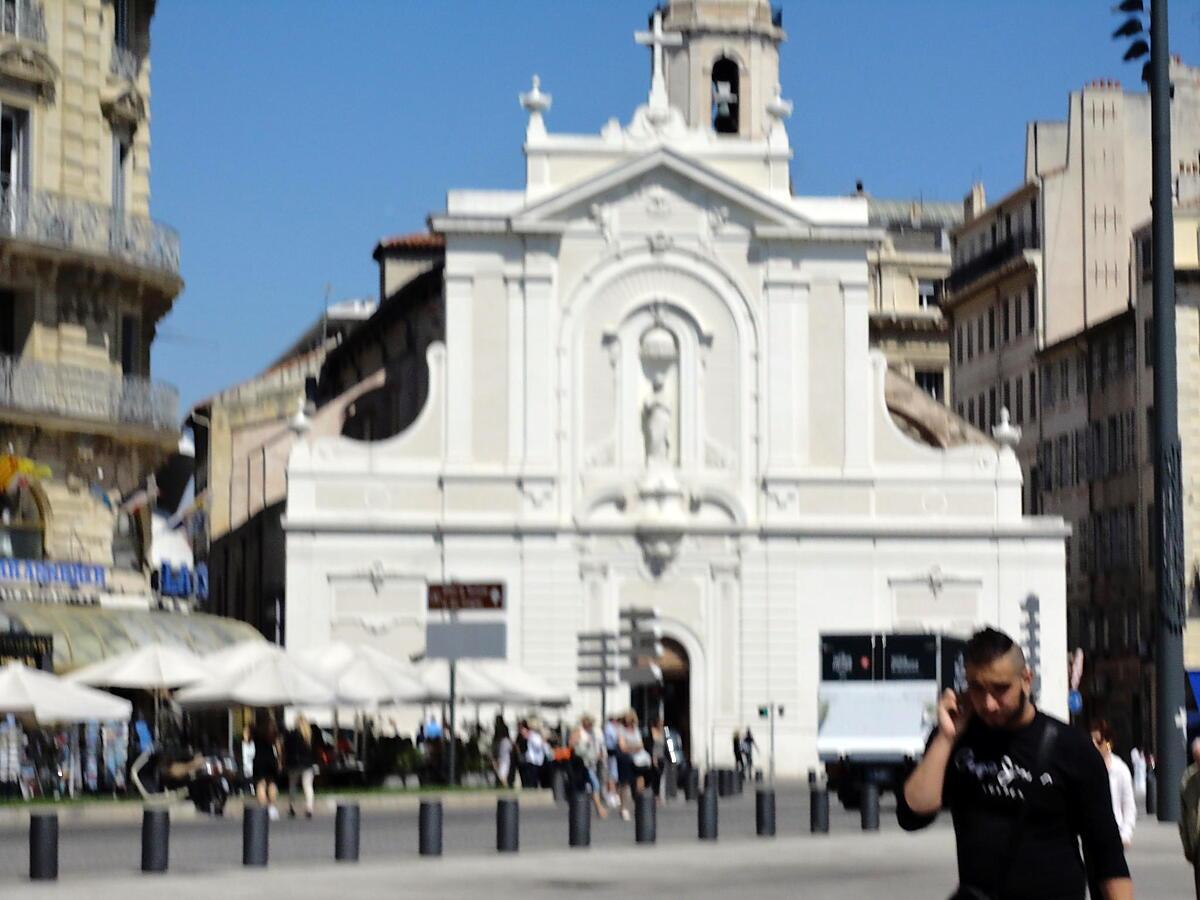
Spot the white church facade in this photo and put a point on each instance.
(655, 390)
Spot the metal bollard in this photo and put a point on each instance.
(43, 847)
(764, 812)
(645, 812)
(558, 784)
(429, 823)
(156, 839)
(706, 815)
(508, 825)
(818, 808)
(670, 781)
(725, 779)
(255, 836)
(870, 806)
(691, 784)
(579, 824)
(712, 778)
(1151, 793)
(345, 833)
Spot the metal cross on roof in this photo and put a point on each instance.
(658, 39)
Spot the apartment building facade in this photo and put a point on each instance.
(85, 277)
(1053, 266)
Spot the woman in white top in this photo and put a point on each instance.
(1120, 781)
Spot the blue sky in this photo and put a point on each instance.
(290, 135)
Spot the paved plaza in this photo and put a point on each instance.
(100, 860)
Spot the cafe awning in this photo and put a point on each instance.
(88, 634)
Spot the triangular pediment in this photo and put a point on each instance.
(677, 174)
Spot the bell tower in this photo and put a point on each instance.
(722, 71)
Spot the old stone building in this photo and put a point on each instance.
(85, 277)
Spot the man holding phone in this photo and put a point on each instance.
(1024, 789)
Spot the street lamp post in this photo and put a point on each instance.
(1168, 490)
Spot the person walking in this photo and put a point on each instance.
(659, 757)
(502, 751)
(739, 761)
(749, 745)
(300, 753)
(633, 763)
(1189, 814)
(1024, 790)
(534, 758)
(587, 753)
(1120, 781)
(267, 751)
(247, 759)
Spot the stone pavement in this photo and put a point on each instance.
(845, 865)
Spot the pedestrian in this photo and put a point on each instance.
(533, 760)
(1023, 789)
(1137, 762)
(659, 756)
(1120, 781)
(502, 749)
(748, 747)
(1189, 814)
(739, 761)
(587, 752)
(300, 753)
(267, 753)
(611, 769)
(248, 758)
(633, 762)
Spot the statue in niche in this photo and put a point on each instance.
(659, 355)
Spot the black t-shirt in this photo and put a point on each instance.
(991, 774)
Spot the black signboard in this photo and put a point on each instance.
(34, 650)
(456, 595)
(910, 657)
(847, 657)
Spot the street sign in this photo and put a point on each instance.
(466, 640)
(458, 596)
(642, 675)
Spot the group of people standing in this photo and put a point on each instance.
(268, 752)
(612, 763)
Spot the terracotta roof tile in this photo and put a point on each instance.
(418, 240)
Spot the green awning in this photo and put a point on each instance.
(87, 634)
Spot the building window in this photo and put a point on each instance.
(121, 22)
(992, 405)
(20, 524)
(971, 410)
(129, 345)
(991, 328)
(932, 383)
(121, 145)
(979, 328)
(1004, 334)
(1017, 321)
(958, 344)
(1081, 375)
(927, 294)
(14, 149)
(1148, 342)
(970, 342)
(1007, 396)
(1146, 251)
(1033, 398)
(1031, 309)
(1019, 415)
(1064, 374)
(725, 101)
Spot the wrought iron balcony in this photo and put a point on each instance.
(60, 221)
(124, 63)
(80, 393)
(23, 19)
(970, 270)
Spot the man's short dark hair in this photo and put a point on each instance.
(988, 645)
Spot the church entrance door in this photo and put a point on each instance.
(671, 699)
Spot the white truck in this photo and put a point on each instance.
(877, 703)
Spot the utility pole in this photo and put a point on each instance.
(1167, 522)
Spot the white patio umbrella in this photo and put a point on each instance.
(361, 675)
(152, 667)
(519, 681)
(54, 701)
(472, 684)
(258, 675)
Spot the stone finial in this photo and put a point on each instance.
(1005, 433)
(535, 102)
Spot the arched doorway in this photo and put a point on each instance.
(671, 699)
